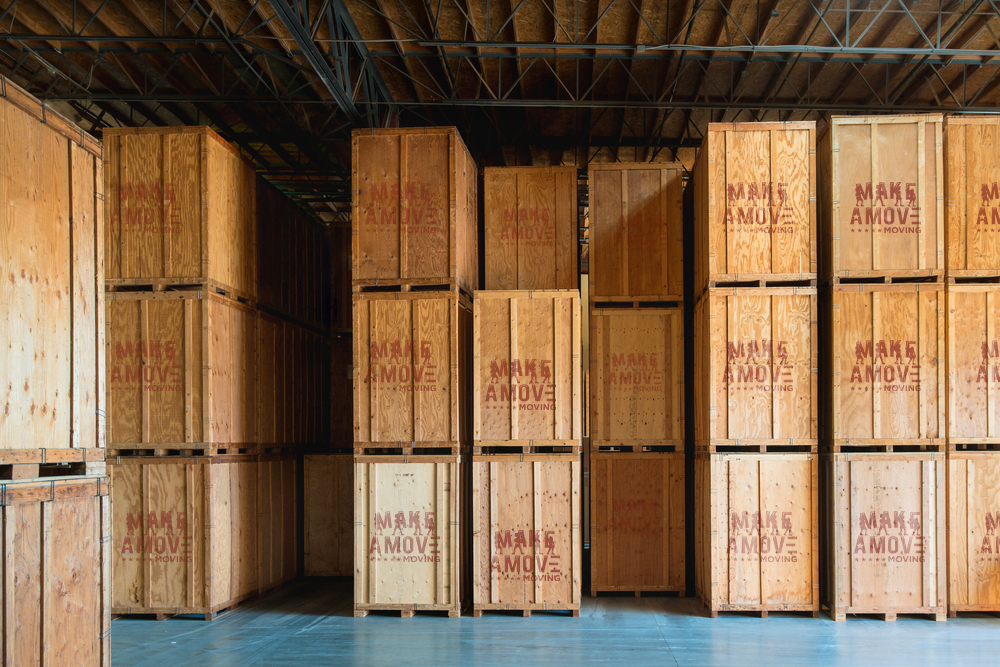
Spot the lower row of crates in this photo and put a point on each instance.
(902, 533)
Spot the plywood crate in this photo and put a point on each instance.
(179, 209)
(972, 197)
(406, 539)
(637, 522)
(198, 535)
(637, 379)
(526, 370)
(882, 198)
(531, 228)
(340, 276)
(341, 392)
(756, 368)
(527, 550)
(973, 527)
(56, 600)
(973, 367)
(415, 209)
(757, 532)
(411, 370)
(755, 205)
(180, 371)
(52, 303)
(884, 529)
(636, 231)
(885, 368)
(328, 515)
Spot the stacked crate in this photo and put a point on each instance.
(212, 374)
(883, 467)
(756, 365)
(415, 264)
(637, 498)
(54, 496)
(973, 362)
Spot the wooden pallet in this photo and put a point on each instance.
(764, 610)
(652, 447)
(763, 281)
(407, 449)
(637, 591)
(911, 277)
(639, 301)
(890, 615)
(207, 613)
(888, 446)
(750, 446)
(524, 609)
(405, 610)
(120, 286)
(489, 447)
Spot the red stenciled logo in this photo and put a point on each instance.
(989, 213)
(526, 555)
(146, 206)
(635, 371)
(404, 537)
(527, 227)
(759, 365)
(402, 364)
(759, 207)
(422, 212)
(990, 368)
(530, 385)
(151, 363)
(892, 365)
(772, 542)
(165, 540)
(885, 537)
(636, 516)
(989, 550)
(880, 207)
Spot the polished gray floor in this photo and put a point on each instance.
(311, 623)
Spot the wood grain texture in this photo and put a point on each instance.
(973, 364)
(971, 198)
(973, 569)
(329, 515)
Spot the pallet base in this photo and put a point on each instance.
(638, 591)
(991, 609)
(162, 613)
(405, 610)
(525, 609)
(761, 610)
(889, 615)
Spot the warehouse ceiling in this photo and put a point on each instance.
(526, 81)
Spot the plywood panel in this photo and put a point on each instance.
(974, 572)
(329, 515)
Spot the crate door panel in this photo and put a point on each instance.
(982, 197)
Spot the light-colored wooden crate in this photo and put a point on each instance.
(899, 234)
(180, 371)
(531, 228)
(885, 369)
(180, 208)
(973, 532)
(637, 522)
(972, 196)
(415, 208)
(406, 539)
(884, 535)
(636, 231)
(196, 535)
(52, 259)
(755, 204)
(973, 367)
(756, 368)
(757, 532)
(637, 379)
(56, 553)
(328, 515)
(526, 368)
(527, 550)
(411, 369)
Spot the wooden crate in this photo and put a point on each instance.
(180, 371)
(341, 392)
(329, 515)
(52, 307)
(973, 540)
(637, 522)
(757, 532)
(884, 535)
(406, 539)
(636, 231)
(415, 208)
(340, 276)
(526, 369)
(531, 228)
(179, 209)
(637, 379)
(900, 234)
(56, 600)
(195, 535)
(527, 549)
(756, 369)
(972, 196)
(755, 205)
(884, 368)
(404, 341)
(973, 364)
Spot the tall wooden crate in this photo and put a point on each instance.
(328, 501)
(531, 228)
(636, 231)
(180, 208)
(415, 208)
(972, 196)
(882, 198)
(973, 532)
(637, 522)
(755, 205)
(527, 550)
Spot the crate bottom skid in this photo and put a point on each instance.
(56, 574)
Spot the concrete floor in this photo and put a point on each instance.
(311, 623)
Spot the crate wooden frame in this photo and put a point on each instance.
(960, 153)
(328, 509)
(972, 494)
(973, 316)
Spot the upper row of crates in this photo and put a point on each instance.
(894, 191)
